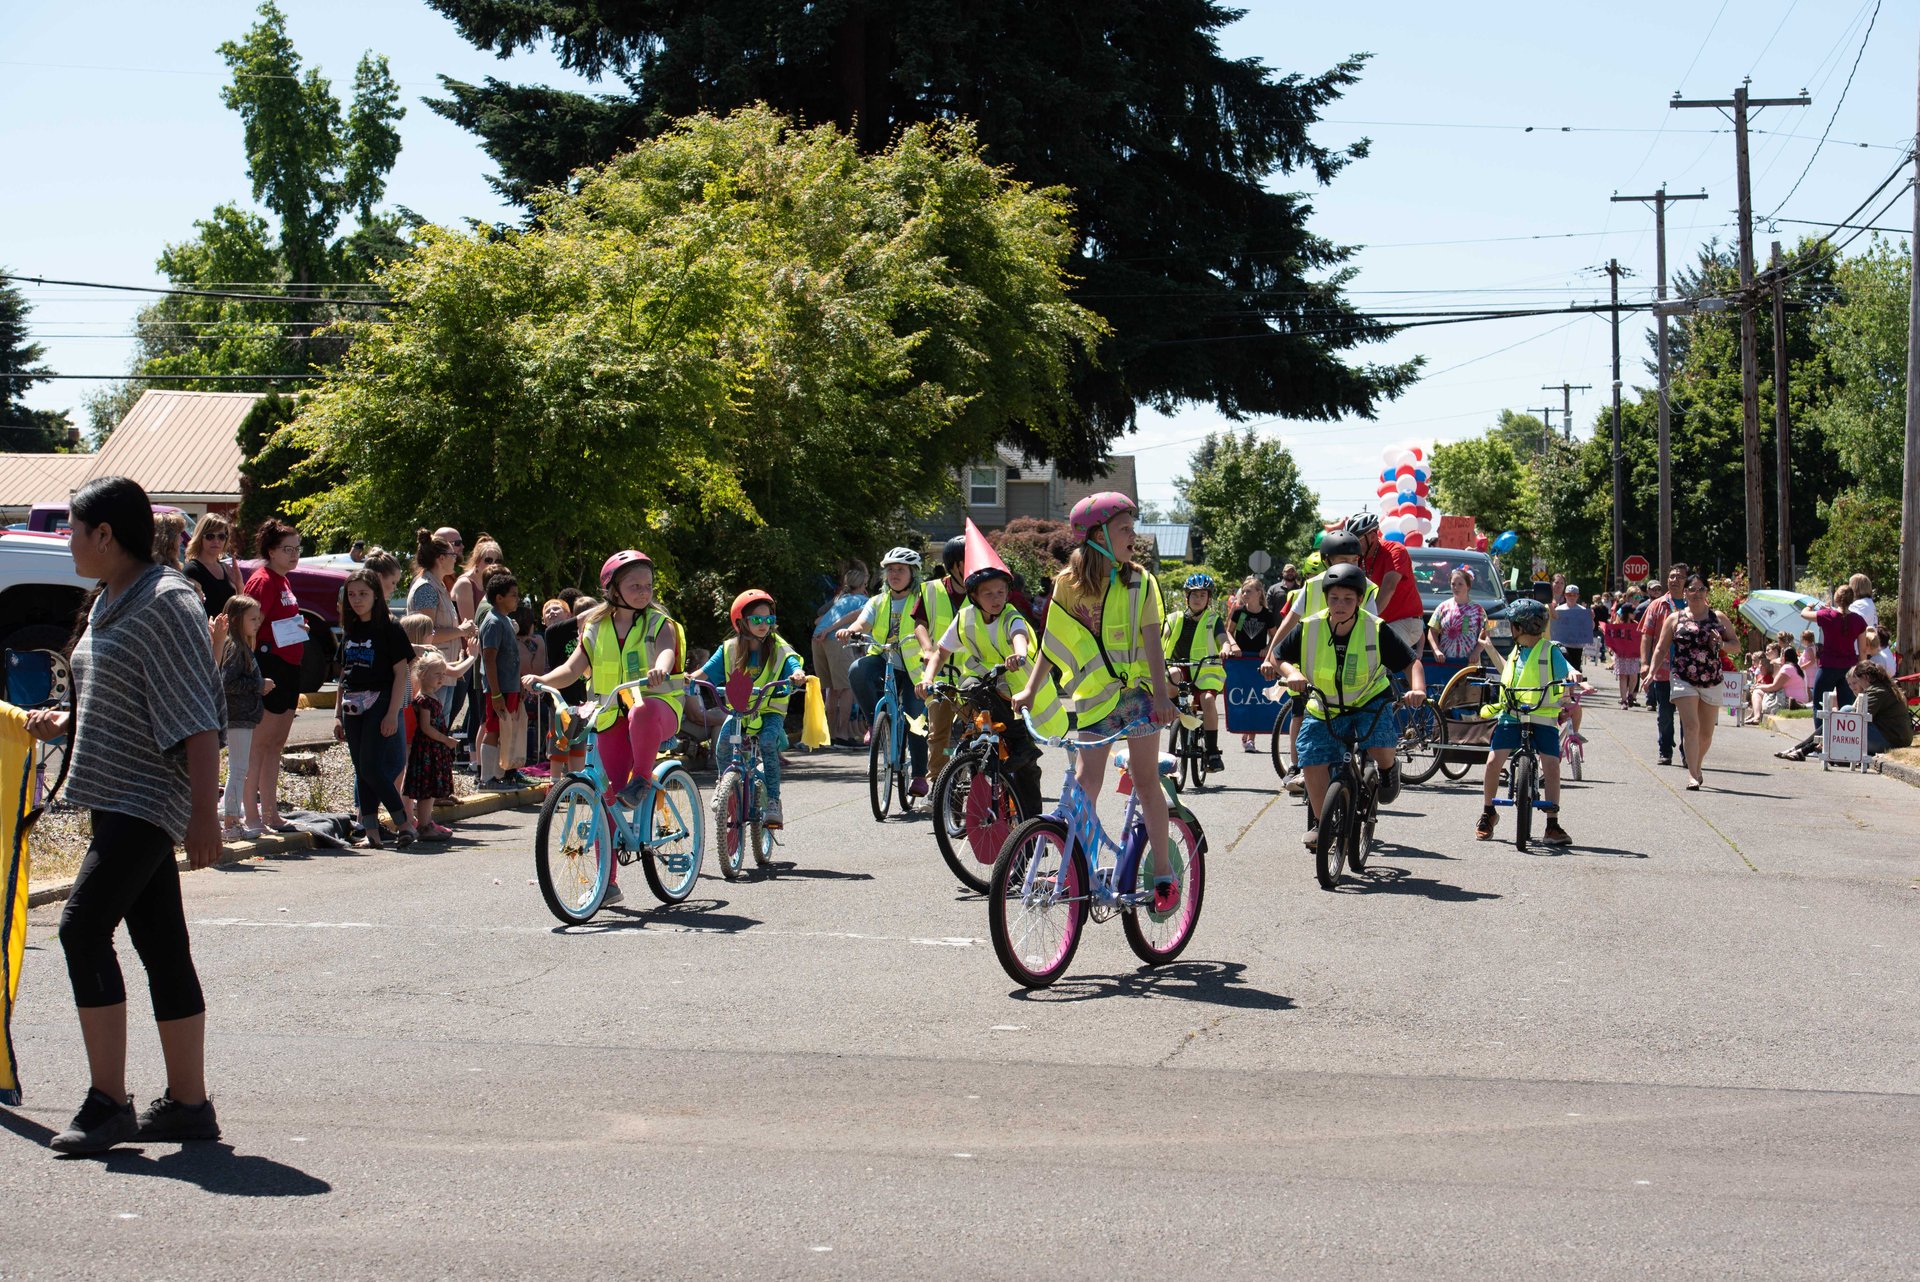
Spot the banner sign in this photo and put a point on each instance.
(1455, 532)
(1250, 710)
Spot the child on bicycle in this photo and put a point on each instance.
(985, 634)
(888, 617)
(756, 649)
(940, 602)
(1103, 637)
(1530, 673)
(1336, 548)
(1346, 654)
(625, 638)
(1193, 636)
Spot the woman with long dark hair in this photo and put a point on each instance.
(1693, 638)
(375, 663)
(146, 764)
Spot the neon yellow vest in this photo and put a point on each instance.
(1344, 685)
(1094, 670)
(883, 628)
(773, 663)
(985, 644)
(1204, 646)
(940, 609)
(615, 664)
(1527, 675)
(1313, 597)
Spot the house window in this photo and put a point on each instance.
(983, 487)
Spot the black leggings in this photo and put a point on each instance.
(377, 758)
(129, 875)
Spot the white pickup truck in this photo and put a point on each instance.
(39, 592)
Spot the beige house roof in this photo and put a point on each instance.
(180, 446)
(26, 479)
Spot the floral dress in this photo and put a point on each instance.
(429, 762)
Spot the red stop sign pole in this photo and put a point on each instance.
(1636, 569)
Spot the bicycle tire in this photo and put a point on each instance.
(1158, 938)
(1575, 757)
(729, 825)
(759, 836)
(1330, 840)
(1197, 748)
(1455, 770)
(673, 872)
(1177, 745)
(1420, 758)
(879, 769)
(1013, 938)
(1522, 801)
(1277, 749)
(1366, 812)
(951, 790)
(573, 887)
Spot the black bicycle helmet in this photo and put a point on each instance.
(1350, 577)
(986, 573)
(954, 554)
(1340, 543)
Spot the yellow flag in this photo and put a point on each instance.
(813, 720)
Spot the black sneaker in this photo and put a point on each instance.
(1666, 761)
(98, 1126)
(168, 1121)
(1390, 784)
(1215, 763)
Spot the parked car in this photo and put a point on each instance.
(39, 592)
(56, 518)
(1432, 571)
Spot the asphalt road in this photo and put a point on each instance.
(1684, 1047)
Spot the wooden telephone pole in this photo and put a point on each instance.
(1660, 200)
(1907, 629)
(1616, 576)
(1783, 472)
(1566, 391)
(1740, 105)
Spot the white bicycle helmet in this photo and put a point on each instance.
(901, 556)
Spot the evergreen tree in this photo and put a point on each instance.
(1214, 289)
(22, 430)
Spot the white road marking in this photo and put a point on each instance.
(653, 930)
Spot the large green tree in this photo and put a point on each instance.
(1863, 343)
(1244, 492)
(743, 347)
(23, 430)
(1179, 160)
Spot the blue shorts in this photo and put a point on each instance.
(1506, 737)
(1317, 745)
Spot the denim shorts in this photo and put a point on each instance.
(1506, 737)
(1318, 746)
(1135, 705)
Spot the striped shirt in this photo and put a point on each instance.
(147, 683)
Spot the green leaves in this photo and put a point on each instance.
(1244, 493)
(743, 347)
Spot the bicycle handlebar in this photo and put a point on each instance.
(1071, 744)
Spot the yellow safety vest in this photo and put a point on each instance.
(941, 609)
(1096, 668)
(1197, 631)
(1527, 674)
(984, 642)
(884, 628)
(1313, 597)
(615, 664)
(773, 663)
(1346, 685)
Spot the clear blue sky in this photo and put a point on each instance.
(116, 141)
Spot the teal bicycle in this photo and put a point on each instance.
(740, 796)
(583, 831)
(887, 765)
(1051, 877)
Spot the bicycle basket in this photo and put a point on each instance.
(571, 730)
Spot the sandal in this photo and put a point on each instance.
(1792, 754)
(436, 832)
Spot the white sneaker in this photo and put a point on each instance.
(1296, 783)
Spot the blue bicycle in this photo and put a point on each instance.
(887, 769)
(1051, 877)
(740, 795)
(582, 831)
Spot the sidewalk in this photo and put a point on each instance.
(1902, 763)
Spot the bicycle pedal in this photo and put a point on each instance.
(676, 864)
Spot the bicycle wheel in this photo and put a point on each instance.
(1177, 745)
(1035, 933)
(1158, 937)
(730, 824)
(879, 768)
(573, 850)
(1455, 769)
(1197, 748)
(676, 839)
(1277, 750)
(1366, 812)
(1419, 744)
(952, 804)
(759, 836)
(1522, 801)
(1575, 756)
(902, 794)
(1330, 841)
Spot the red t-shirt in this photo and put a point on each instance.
(277, 601)
(1390, 558)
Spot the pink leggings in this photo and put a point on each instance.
(631, 755)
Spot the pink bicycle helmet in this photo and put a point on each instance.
(1096, 510)
(618, 560)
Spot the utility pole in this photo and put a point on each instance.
(1741, 104)
(1614, 577)
(1908, 626)
(1783, 482)
(1660, 201)
(1546, 433)
(1566, 391)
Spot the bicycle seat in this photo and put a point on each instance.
(1168, 766)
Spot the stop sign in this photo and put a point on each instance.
(1636, 569)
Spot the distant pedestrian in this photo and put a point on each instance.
(146, 764)
(169, 539)
(430, 753)
(1890, 721)
(434, 557)
(1862, 588)
(210, 563)
(1573, 625)
(831, 657)
(282, 651)
(1654, 660)
(375, 660)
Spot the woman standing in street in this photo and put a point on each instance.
(146, 764)
(283, 646)
(1457, 630)
(1693, 637)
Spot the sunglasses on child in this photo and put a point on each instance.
(768, 619)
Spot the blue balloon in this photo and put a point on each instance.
(1505, 543)
(1386, 474)
(1394, 536)
(1408, 496)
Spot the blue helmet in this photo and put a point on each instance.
(1200, 583)
(1527, 615)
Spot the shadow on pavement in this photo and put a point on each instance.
(1385, 879)
(693, 914)
(1213, 982)
(215, 1168)
(791, 869)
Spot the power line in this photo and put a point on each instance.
(199, 293)
(155, 378)
(1836, 111)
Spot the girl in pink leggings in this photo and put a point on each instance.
(628, 638)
